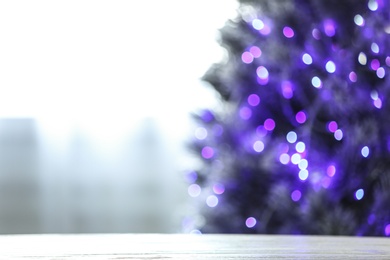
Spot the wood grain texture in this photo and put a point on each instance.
(179, 246)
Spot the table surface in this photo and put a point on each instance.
(180, 246)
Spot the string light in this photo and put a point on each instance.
(302, 122)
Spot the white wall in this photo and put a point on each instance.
(91, 83)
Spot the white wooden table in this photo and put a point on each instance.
(179, 246)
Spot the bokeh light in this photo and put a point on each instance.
(212, 201)
(303, 164)
(194, 190)
(247, 57)
(262, 72)
(207, 152)
(377, 103)
(245, 113)
(316, 82)
(332, 126)
(362, 58)
(257, 24)
(255, 51)
(258, 146)
(287, 89)
(303, 175)
(250, 222)
(200, 133)
(338, 135)
(375, 64)
(374, 48)
(288, 32)
(296, 158)
(261, 131)
(291, 137)
(365, 151)
(301, 117)
(269, 124)
(329, 27)
(296, 195)
(380, 73)
(331, 170)
(359, 20)
(387, 230)
(373, 5)
(307, 59)
(330, 67)
(218, 188)
(253, 100)
(266, 30)
(352, 76)
(359, 194)
(284, 158)
(300, 147)
(316, 34)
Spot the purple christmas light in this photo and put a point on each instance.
(218, 188)
(255, 51)
(352, 76)
(287, 89)
(253, 100)
(250, 222)
(373, 5)
(375, 64)
(269, 124)
(284, 158)
(288, 32)
(247, 57)
(207, 152)
(307, 121)
(301, 117)
(212, 201)
(329, 27)
(245, 113)
(331, 170)
(316, 34)
(387, 230)
(296, 195)
(332, 126)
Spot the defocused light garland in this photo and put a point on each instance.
(306, 147)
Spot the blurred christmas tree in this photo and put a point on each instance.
(301, 144)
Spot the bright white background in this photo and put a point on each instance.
(99, 80)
